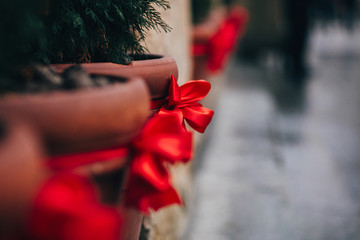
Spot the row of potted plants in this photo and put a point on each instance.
(164, 140)
(95, 137)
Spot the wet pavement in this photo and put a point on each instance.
(283, 160)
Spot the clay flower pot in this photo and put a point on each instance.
(84, 120)
(156, 70)
(21, 172)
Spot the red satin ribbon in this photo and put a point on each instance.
(220, 46)
(67, 208)
(67, 162)
(200, 49)
(183, 101)
(163, 141)
(224, 41)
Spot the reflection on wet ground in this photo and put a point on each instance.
(282, 161)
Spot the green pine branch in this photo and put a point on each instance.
(99, 30)
(21, 38)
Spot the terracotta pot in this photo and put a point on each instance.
(21, 172)
(156, 70)
(83, 120)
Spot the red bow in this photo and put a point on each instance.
(223, 42)
(163, 141)
(66, 208)
(183, 101)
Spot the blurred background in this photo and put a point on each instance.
(282, 157)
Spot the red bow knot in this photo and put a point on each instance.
(163, 141)
(183, 101)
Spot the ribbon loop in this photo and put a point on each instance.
(194, 91)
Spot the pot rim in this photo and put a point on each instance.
(156, 72)
(107, 68)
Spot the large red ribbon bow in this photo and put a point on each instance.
(66, 208)
(163, 141)
(183, 101)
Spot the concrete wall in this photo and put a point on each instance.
(177, 42)
(170, 223)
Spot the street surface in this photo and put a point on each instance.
(283, 161)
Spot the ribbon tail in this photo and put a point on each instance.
(164, 198)
(159, 199)
(146, 196)
(198, 117)
(150, 170)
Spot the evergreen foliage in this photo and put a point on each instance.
(21, 38)
(79, 31)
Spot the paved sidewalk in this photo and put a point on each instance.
(274, 171)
